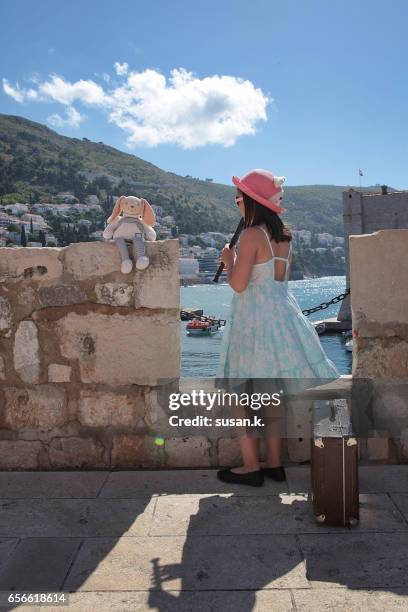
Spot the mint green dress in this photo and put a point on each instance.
(267, 335)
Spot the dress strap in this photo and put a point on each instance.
(267, 237)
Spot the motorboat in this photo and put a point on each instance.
(197, 327)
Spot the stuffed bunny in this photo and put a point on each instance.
(135, 223)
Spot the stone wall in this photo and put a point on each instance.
(379, 301)
(365, 213)
(83, 350)
(87, 355)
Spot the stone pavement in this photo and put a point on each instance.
(180, 540)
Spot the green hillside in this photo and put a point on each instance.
(36, 162)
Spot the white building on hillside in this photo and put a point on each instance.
(44, 207)
(81, 208)
(325, 238)
(189, 268)
(92, 199)
(304, 236)
(37, 220)
(17, 208)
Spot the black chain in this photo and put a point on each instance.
(324, 305)
(306, 312)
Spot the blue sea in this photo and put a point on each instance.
(200, 355)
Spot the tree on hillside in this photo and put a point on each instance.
(23, 237)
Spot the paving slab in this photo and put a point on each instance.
(356, 560)
(225, 515)
(372, 479)
(401, 501)
(196, 563)
(383, 478)
(38, 564)
(298, 479)
(51, 484)
(184, 601)
(169, 482)
(339, 600)
(7, 546)
(228, 515)
(75, 517)
(377, 513)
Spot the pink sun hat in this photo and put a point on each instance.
(263, 187)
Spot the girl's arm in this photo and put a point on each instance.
(239, 266)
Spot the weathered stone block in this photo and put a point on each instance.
(229, 452)
(89, 259)
(187, 452)
(299, 449)
(372, 258)
(130, 451)
(380, 358)
(121, 349)
(27, 295)
(27, 352)
(114, 294)
(404, 443)
(6, 318)
(42, 407)
(26, 300)
(59, 373)
(104, 409)
(298, 428)
(2, 369)
(158, 286)
(76, 452)
(19, 454)
(390, 405)
(30, 263)
(61, 295)
(377, 448)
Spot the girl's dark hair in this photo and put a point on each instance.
(256, 214)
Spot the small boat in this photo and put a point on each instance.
(347, 334)
(320, 328)
(349, 345)
(186, 314)
(202, 328)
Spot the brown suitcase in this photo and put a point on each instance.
(334, 464)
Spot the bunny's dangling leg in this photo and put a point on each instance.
(142, 261)
(127, 263)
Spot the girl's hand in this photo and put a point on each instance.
(227, 257)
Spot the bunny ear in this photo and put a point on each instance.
(148, 215)
(117, 209)
(279, 180)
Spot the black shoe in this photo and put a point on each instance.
(276, 473)
(253, 479)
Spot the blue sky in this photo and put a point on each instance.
(311, 90)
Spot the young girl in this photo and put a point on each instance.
(267, 339)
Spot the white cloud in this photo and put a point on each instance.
(18, 93)
(13, 92)
(59, 90)
(73, 119)
(183, 110)
(121, 69)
